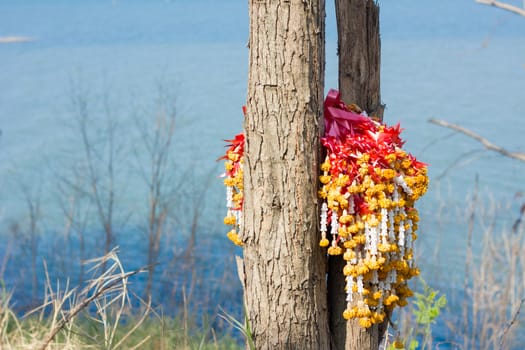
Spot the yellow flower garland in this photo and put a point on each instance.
(369, 186)
(234, 187)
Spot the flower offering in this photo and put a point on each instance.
(234, 186)
(368, 186)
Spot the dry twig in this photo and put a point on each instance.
(486, 143)
(504, 6)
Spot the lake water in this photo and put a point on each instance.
(448, 59)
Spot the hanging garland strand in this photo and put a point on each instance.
(233, 181)
(369, 186)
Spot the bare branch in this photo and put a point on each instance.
(504, 6)
(486, 143)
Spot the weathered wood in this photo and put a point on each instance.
(284, 269)
(359, 51)
(359, 48)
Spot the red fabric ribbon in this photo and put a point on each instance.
(339, 121)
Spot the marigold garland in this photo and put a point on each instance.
(368, 186)
(234, 186)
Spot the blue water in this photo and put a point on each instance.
(448, 59)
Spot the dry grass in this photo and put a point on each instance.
(495, 290)
(53, 325)
(99, 315)
(486, 309)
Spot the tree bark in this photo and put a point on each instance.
(284, 268)
(359, 51)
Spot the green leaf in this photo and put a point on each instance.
(413, 344)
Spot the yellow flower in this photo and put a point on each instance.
(388, 173)
(398, 344)
(343, 180)
(401, 266)
(362, 310)
(372, 221)
(404, 291)
(406, 163)
(324, 242)
(371, 264)
(365, 158)
(362, 269)
(343, 203)
(353, 229)
(349, 255)
(365, 322)
(229, 182)
(409, 255)
(391, 299)
(402, 303)
(390, 157)
(335, 250)
(414, 272)
(326, 165)
(360, 239)
(353, 189)
(324, 179)
(349, 270)
(384, 247)
(233, 156)
(350, 244)
(378, 317)
(228, 165)
(413, 215)
(229, 220)
(234, 237)
(345, 219)
(385, 203)
(371, 302)
(348, 314)
(342, 231)
(237, 197)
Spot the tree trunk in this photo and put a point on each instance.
(359, 54)
(284, 268)
(359, 71)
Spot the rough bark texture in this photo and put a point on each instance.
(284, 269)
(359, 53)
(359, 73)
